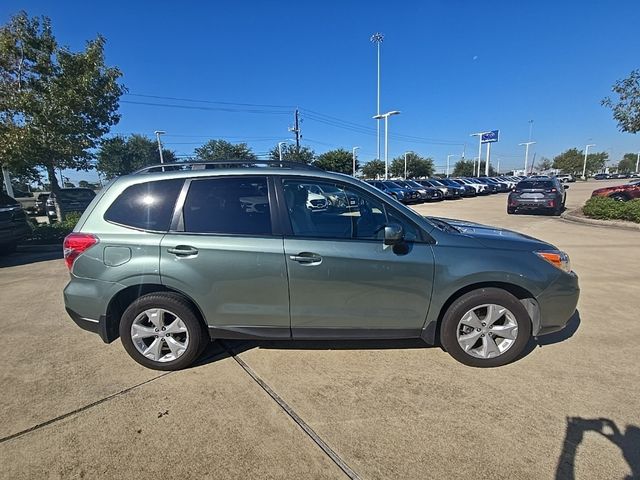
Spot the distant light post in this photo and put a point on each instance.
(280, 150)
(448, 159)
(405, 163)
(526, 153)
(353, 154)
(584, 165)
(378, 38)
(479, 135)
(386, 139)
(158, 133)
(638, 163)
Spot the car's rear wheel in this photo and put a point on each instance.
(511, 210)
(488, 327)
(619, 197)
(162, 331)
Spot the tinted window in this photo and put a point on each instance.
(535, 184)
(228, 206)
(148, 206)
(75, 195)
(340, 212)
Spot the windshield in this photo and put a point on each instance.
(391, 184)
(436, 182)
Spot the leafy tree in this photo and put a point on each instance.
(572, 161)
(373, 169)
(464, 168)
(121, 156)
(221, 150)
(69, 185)
(545, 164)
(626, 110)
(55, 104)
(291, 154)
(628, 163)
(339, 160)
(417, 166)
(84, 184)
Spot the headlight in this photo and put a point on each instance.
(556, 258)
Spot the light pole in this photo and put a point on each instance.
(158, 133)
(448, 160)
(386, 139)
(405, 163)
(378, 38)
(479, 135)
(353, 154)
(280, 150)
(526, 153)
(530, 128)
(584, 165)
(638, 163)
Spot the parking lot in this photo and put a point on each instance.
(73, 407)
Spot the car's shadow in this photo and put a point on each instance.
(225, 348)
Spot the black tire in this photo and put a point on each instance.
(558, 210)
(619, 197)
(475, 298)
(178, 305)
(511, 210)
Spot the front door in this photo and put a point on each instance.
(343, 281)
(225, 256)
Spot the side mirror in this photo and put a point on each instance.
(566, 187)
(393, 234)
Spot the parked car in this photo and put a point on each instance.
(602, 176)
(538, 194)
(622, 193)
(449, 193)
(144, 262)
(465, 190)
(402, 194)
(69, 200)
(40, 205)
(566, 178)
(427, 194)
(14, 225)
(491, 187)
(481, 188)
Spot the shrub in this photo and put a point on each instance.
(609, 209)
(44, 233)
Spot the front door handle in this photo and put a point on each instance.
(307, 258)
(183, 251)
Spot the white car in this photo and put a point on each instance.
(480, 187)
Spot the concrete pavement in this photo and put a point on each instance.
(387, 409)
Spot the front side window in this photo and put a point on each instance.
(232, 206)
(148, 206)
(340, 212)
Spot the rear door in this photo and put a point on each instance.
(224, 250)
(343, 280)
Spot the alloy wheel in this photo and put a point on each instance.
(487, 331)
(159, 335)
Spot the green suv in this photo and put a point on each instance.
(176, 255)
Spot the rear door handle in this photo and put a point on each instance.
(307, 258)
(183, 251)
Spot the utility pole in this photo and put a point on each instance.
(479, 135)
(280, 150)
(526, 154)
(296, 129)
(584, 166)
(405, 164)
(386, 116)
(448, 160)
(158, 133)
(638, 163)
(378, 38)
(353, 154)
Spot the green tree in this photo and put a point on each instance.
(544, 164)
(221, 150)
(628, 163)
(121, 156)
(55, 104)
(626, 109)
(417, 166)
(572, 161)
(373, 169)
(339, 160)
(291, 154)
(464, 168)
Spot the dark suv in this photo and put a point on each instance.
(68, 200)
(538, 194)
(170, 260)
(14, 225)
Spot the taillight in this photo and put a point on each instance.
(75, 244)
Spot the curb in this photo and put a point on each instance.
(40, 248)
(621, 224)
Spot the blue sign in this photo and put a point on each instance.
(491, 136)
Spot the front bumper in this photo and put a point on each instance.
(557, 303)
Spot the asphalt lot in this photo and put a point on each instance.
(73, 407)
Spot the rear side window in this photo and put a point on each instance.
(231, 206)
(76, 195)
(148, 206)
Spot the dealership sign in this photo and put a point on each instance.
(491, 136)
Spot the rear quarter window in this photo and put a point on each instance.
(147, 206)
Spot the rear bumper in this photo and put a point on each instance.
(558, 303)
(533, 203)
(98, 326)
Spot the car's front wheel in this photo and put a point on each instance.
(162, 331)
(488, 327)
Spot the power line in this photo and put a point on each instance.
(209, 101)
(217, 109)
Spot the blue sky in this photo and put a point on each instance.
(451, 67)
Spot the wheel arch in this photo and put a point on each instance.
(431, 331)
(123, 298)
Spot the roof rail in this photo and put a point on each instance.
(209, 165)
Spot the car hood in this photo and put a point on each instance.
(496, 237)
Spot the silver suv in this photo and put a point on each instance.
(169, 260)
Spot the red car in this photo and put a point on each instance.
(621, 193)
